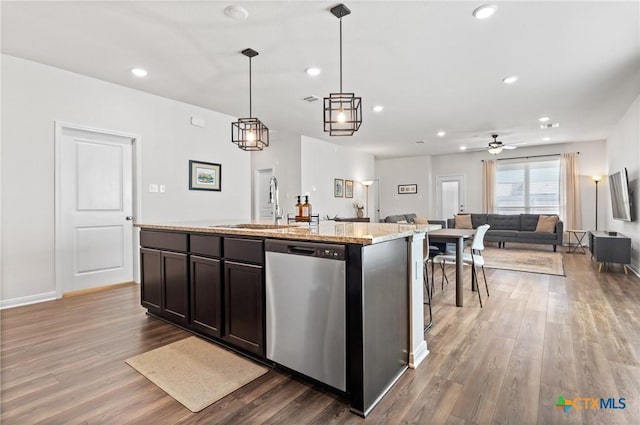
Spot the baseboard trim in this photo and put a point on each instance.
(97, 289)
(29, 299)
(418, 355)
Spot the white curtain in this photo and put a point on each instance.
(570, 192)
(489, 183)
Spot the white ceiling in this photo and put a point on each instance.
(431, 64)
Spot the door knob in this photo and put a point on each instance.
(128, 218)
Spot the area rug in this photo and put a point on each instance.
(195, 372)
(524, 260)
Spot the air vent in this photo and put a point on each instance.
(554, 125)
(311, 98)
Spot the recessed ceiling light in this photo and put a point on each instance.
(441, 133)
(236, 12)
(546, 139)
(313, 71)
(484, 11)
(378, 108)
(139, 72)
(510, 79)
(463, 148)
(544, 119)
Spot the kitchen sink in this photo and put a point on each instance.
(254, 226)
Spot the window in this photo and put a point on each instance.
(528, 186)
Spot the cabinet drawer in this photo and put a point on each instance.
(206, 245)
(249, 250)
(164, 240)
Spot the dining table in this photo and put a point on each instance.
(459, 237)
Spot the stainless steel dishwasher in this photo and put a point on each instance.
(306, 309)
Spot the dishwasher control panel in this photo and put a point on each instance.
(331, 253)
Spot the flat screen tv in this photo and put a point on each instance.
(620, 195)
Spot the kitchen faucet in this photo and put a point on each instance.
(273, 193)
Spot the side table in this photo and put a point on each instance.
(579, 236)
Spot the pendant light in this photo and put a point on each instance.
(250, 134)
(342, 111)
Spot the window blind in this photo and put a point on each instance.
(528, 186)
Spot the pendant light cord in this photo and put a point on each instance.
(250, 115)
(340, 55)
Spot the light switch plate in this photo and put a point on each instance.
(162, 188)
(153, 188)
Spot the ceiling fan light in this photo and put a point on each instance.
(495, 150)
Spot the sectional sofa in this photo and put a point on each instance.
(515, 228)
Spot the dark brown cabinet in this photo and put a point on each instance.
(175, 283)
(244, 306)
(211, 284)
(165, 275)
(151, 287)
(206, 295)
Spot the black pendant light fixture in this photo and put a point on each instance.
(250, 134)
(342, 111)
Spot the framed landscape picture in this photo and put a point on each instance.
(205, 176)
(338, 188)
(405, 189)
(348, 188)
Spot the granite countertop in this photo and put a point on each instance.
(326, 231)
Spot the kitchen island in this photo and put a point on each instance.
(219, 281)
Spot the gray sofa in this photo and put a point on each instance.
(515, 228)
(409, 218)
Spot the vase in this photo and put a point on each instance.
(360, 213)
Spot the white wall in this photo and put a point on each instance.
(34, 96)
(321, 162)
(592, 160)
(410, 170)
(623, 150)
(283, 157)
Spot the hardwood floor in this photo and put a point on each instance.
(538, 337)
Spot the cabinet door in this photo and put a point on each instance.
(175, 279)
(206, 295)
(151, 287)
(244, 306)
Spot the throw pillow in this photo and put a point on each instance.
(463, 221)
(402, 222)
(547, 223)
(421, 220)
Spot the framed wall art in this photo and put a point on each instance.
(338, 188)
(406, 189)
(205, 176)
(348, 188)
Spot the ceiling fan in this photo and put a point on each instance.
(496, 146)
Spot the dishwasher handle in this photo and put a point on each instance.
(307, 249)
(301, 250)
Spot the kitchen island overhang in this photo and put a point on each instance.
(383, 285)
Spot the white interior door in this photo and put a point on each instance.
(450, 195)
(95, 208)
(265, 208)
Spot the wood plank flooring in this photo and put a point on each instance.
(538, 337)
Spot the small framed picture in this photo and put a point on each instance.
(406, 189)
(348, 188)
(205, 176)
(338, 188)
